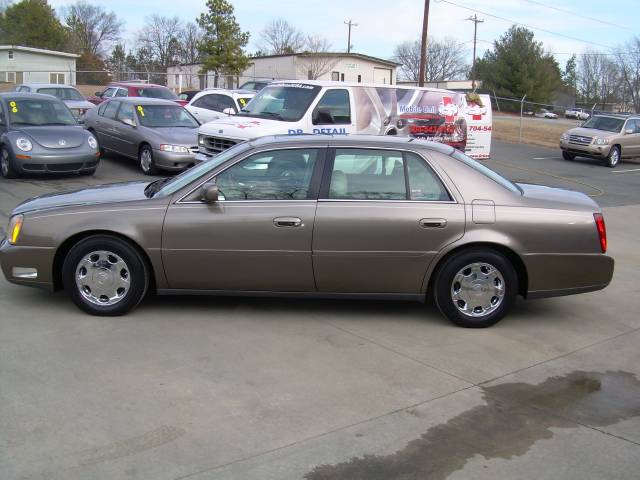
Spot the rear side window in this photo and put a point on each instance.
(333, 108)
(122, 92)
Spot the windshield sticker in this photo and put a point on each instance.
(242, 101)
(141, 110)
(14, 106)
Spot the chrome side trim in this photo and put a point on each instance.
(420, 297)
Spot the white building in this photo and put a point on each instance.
(36, 65)
(345, 67)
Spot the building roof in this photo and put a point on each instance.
(41, 51)
(361, 56)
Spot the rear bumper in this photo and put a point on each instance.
(30, 266)
(552, 275)
(173, 161)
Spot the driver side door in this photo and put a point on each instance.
(257, 236)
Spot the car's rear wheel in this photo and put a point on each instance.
(475, 288)
(147, 164)
(568, 156)
(6, 164)
(614, 157)
(105, 276)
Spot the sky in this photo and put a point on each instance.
(383, 24)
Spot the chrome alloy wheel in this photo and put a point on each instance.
(145, 160)
(615, 157)
(477, 289)
(4, 162)
(103, 278)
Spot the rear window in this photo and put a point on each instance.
(155, 92)
(486, 171)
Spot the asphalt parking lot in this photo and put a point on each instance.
(235, 388)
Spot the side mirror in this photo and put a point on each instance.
(628, 131)
(209, 193)
(229, 111)
(128, 121)
(99, 94)
(322, 116)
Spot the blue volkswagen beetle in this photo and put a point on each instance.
(39, 134)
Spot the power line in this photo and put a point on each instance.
(583, 54)
(576, 14)
(524, 24)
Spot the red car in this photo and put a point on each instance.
(135, 89)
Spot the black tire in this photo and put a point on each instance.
(7, 168)
(147, 165)
(614, 157)
(136, 272)
(446, 276)
(568, 156)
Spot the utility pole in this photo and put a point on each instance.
(350, 24)
(423, 47)
(475, 21)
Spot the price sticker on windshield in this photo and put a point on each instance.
(242, 101)
(14, 106)
(141, 110)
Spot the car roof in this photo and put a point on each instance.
(144, 101)
(46, 85)
(12, 95)
(135, 85)
(375, 141)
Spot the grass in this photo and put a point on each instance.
(534, 131)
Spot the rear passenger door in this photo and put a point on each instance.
(382, 216)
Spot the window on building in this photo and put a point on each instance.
(57, 78)
(10, 53)
(335, 76)
(11, 77)
(309, 75)
(342, 77)
(359, 78)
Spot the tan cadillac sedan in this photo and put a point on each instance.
(316, 216)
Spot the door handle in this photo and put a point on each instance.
(288, 222)
(433, 222)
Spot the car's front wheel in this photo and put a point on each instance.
(568, 156)
(6, 164)
(147, 164)
(614, 157)
(105, 276)
(475, 288)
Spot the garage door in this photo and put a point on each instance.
(381, 75)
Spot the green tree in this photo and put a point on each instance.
(570, 75)
(223, 42)
(517, 65)
(32, 23)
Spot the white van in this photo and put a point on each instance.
(341, 108)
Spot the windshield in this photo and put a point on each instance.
(156, 92)
(36, 112)
(486, 171)
(608, 124)
(188, 176)
(287, 102)
(62, 93)
(165, 116)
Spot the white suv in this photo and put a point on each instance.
(214, 103)
(577, 113)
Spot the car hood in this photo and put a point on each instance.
(551, 197)
(177, 136)
(245, 127)
(55, 136)
(591, 132)
(111, 193)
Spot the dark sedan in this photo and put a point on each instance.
(39, 134)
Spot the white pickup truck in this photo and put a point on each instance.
(577, 113)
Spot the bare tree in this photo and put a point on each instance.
(445, 60)
(92, 29)
(628, 58)
(280, 37)
(160, 38)
(316, 59)
(599, 78)
(189, 39)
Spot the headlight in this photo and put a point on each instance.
(24, 144)
(564, 137)
(174, 148)
(200, 139)
(601, 141)
(93, 143)
(15, 225)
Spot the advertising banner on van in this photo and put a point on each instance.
(437, 115)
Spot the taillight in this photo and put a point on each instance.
(602, 231)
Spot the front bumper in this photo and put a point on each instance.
(173, 161)
(591, 151)
(19, 263)
(56, 163)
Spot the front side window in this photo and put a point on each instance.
(287, 102)
(109, 92)
(274, 175)
(633, 125)
(122, 92)
(361, 174)
(110, 110)
(165, 116)
(333, 108)
(126, 112)
(38, 112)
